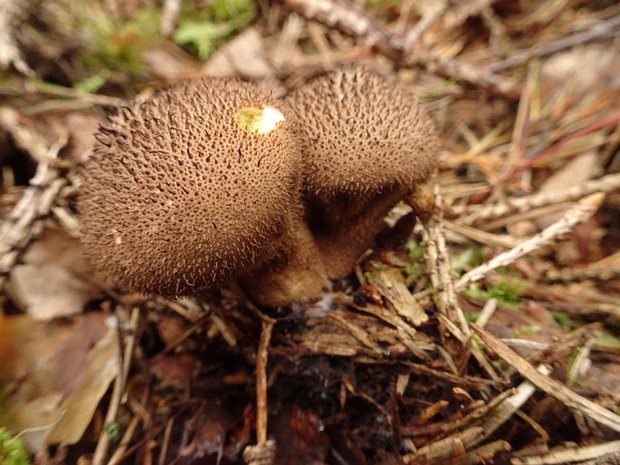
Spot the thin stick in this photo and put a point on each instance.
(548, 385)
(119, 386)
(584, 209)
(261, 380)
(600, 30)
(481, 213)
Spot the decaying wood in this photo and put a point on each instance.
(391, 285)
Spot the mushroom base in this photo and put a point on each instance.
(296, 275)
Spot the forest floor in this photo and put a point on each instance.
(488, 334)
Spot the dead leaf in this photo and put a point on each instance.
(60, 370)
(51, 283)
(77, 409)
(578, 170)
(243, 56)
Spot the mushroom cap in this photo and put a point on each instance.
(184, 192)
(361, 134)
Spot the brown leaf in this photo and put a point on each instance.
(243, 56)
(61, 370)
(51, 282)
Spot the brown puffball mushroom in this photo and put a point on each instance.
(366, 143)
(195, 187)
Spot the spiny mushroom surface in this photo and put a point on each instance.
(192, 188)
(366, 144)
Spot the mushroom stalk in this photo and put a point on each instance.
(296, 274)
(343, 235)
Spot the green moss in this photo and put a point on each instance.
(527, 329)
(562, 320)
(507, 294)
(201, 34)
(12, 449)
(414, 269)
(415, 250)
(378, 265)
(467, 259)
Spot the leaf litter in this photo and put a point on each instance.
(393, 371)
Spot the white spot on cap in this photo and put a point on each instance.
(258, 120)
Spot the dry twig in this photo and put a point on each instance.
(580, 213)
(600, 30)
(21, 225)
(476, 214)
(548, 385)
(353, 20)
(124, 363)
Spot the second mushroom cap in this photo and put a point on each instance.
(366, 144)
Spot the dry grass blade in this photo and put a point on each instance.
(477, 214)
(581, 454)
(482, 237)
(606, 28)
(548, 385)
(584, 209)
(506, 409)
